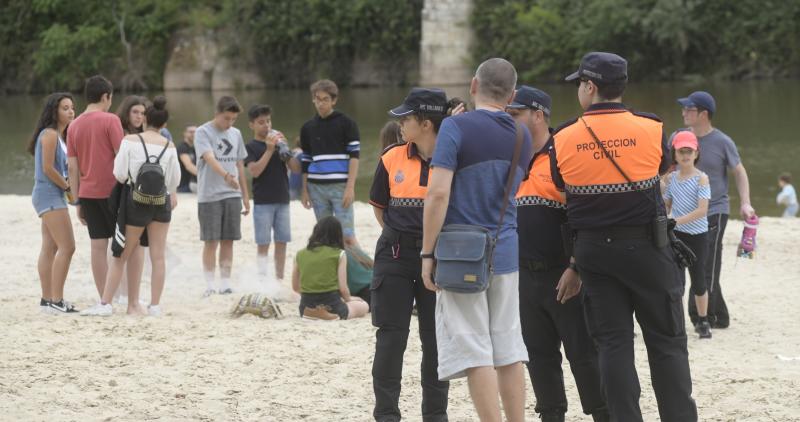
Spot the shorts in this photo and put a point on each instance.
(220, 220)
(47, 197)
(99, 218)
(272, 218)
(331, 300)
(141, 215)
(326, 198)
(479, 329)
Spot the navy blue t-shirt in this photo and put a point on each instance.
(478, 146)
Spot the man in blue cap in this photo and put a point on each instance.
(608, 162)
(548, 315)
(718, 155)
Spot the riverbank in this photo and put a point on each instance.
(195, 363)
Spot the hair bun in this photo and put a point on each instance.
(160, 102)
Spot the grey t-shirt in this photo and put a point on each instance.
(718, 154)
(228, 148)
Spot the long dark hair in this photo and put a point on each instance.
(49, 118)
(124, 112)
(327, 232)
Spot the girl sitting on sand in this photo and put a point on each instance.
(686, 198)
(320, 276)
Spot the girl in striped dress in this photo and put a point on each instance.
(686, 197)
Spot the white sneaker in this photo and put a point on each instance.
(98, 310)
(154, 310)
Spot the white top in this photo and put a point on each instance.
(787, 196)
(130, 158)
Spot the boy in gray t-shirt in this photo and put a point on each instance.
(221, 190)
(718, 155)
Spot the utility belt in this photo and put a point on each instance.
(656, 231)
(402, 241)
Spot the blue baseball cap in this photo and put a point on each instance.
(699, 99)
(530, 97)
(601, 68)
(422, 100)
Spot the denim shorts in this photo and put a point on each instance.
(271, 218)
(326, 198)
(47, 197)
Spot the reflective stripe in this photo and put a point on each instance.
(406, 202)
(538, 200)
(612, 188)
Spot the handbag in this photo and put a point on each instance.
(663, 234)
(464, 252)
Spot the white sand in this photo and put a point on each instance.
(195, 363)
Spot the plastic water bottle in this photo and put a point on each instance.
(747, 246)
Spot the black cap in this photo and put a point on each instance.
(529, 97)
(699, 99)
(422, 100)
(601, 68)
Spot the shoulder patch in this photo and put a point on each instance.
(646, 115)
(391, 147)
(564, 125)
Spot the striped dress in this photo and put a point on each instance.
(685, 196)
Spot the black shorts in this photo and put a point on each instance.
(99, 218)
(141, 215)
(332, 300)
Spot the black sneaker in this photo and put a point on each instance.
(703, 329)
(63, 306)
(44, 306)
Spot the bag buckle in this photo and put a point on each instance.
(396, 250)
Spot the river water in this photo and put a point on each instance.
(762, 117)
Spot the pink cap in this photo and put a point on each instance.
(684, 139)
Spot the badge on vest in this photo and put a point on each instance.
(399, 176)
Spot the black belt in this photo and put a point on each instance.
(643, 231)
(405, 239)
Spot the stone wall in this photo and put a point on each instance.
(446, 41)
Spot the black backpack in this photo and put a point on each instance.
(150, 187)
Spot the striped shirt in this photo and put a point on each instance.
(328, 145)
(685, 196)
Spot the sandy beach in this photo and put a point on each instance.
(195, 363)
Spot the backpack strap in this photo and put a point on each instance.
(158, 159)
(146, 154)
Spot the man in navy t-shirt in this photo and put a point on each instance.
(478, 334)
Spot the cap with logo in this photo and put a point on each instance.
(534, 98)
(684, 139)
(422, 100)
(699, 99)
(601, 68)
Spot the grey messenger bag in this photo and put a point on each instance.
(464, 252)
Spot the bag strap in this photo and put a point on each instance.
(146, 154)
(512, 171)
(614, 162)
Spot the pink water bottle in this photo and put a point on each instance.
(747, 246)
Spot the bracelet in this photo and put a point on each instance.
(426, 255)
(573, 266)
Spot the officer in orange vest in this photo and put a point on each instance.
(608, 161)
(548, 320)
(397, 196)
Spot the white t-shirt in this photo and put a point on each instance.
(130, 158)
(787, 196)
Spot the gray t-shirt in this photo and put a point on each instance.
(228, 148)
(718, 154)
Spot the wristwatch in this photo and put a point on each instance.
(573, 266)
(426, 255)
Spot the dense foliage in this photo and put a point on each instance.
(662, 39)
(54, 44)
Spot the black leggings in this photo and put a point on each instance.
(698, 243)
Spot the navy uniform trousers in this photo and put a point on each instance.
(624, 274)
(397, 285)
(546, 324)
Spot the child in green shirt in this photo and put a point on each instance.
(320, 276)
